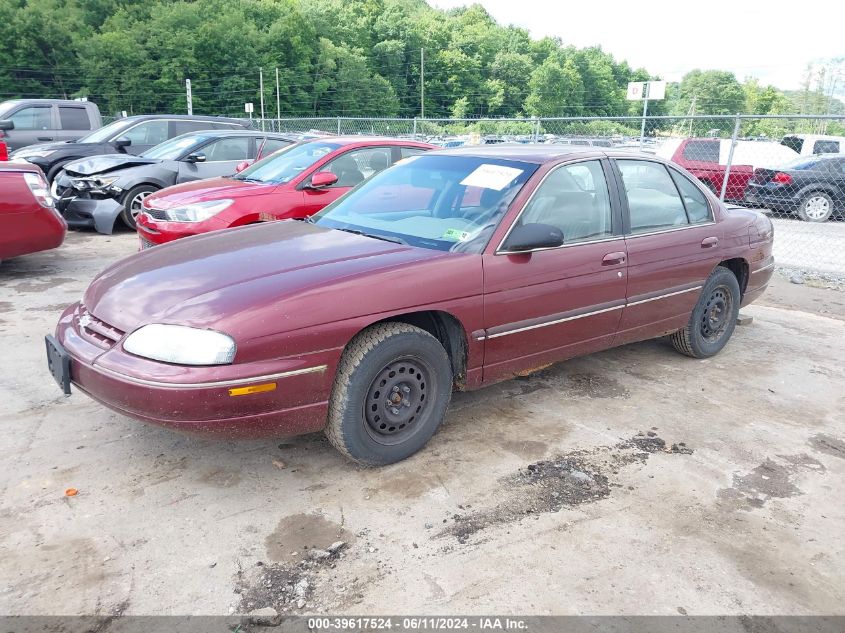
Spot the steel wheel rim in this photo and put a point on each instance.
(817, 207)
(136, 206)
(397, 399)
(716, 314)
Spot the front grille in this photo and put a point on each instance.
(96, 331)
(156, 214)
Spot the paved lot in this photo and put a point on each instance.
(537, 496)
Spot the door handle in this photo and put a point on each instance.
(709, 242)
(612, 259)
(44, 138)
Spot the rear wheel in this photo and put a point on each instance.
(713, 318)
(132, 203)
(393, 385)
(816, 207)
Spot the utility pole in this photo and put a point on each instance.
(278, 102)
(422, 83)
(645, 111)
(261, 88)
(188, 98)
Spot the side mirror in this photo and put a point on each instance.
(7, 125)
(122, 142)
(196, 157)
(529, 237)
(322, 179)
(242, 165)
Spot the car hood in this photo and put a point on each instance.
(232, 280)
(210, 189)
(106, 163)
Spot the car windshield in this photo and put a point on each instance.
(106, 132)
(175, 147)
(441, 202)
(284, 166)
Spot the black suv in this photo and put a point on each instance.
(130, 135)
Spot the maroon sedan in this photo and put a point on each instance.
(28, 220)
(451, 270)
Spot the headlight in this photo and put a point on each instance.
(197, 212)
(95, 184)
(34, 153)
(181, 345)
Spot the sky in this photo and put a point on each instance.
(772, 40)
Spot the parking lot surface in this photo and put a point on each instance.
(635, 481)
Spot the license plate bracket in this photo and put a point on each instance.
(58, 362)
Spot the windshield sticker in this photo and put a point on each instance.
(455, 235)
(491, 177)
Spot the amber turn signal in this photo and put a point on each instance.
(245, 391)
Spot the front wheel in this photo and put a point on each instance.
(391, 391)
(713, 318)
(816, 207)
(132, 203)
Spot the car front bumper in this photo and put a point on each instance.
(199, 400)
(154, 232)
(98, 213)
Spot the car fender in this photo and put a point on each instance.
(155, 175)
(825, 187)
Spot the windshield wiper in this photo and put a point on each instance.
(246, 179)
(384, 238)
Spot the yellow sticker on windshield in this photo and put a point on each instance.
(455, 234)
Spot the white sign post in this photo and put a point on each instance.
(248, 108)
(645, 90)
(189, 98)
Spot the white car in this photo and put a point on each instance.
(810, 144)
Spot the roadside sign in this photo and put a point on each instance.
(636, 90)
(248, 108)
(656, 90)
(651, 90)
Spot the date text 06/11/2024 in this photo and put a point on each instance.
(418, 624)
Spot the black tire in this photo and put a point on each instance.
(133, 196)
(713, 318)
(816, 206)
(366, 420)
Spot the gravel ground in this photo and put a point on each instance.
(634, 481)
(814, 250)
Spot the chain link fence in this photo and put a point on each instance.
(790, 167)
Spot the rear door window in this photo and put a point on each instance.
(706, 151)
(74, 118)
(33, 118)
(793, 143)
(653, 200)
(273, 145)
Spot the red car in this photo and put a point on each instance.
(455, 269)
(29, 221)
(707, 158)
(4, 150)
(292, 183)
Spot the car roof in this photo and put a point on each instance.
(187, 117)
(212, 133)
(366, 140)
(60, 101)
(815, 137)
(526, 152)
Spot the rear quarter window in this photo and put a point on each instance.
(826, 147)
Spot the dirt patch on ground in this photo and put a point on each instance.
(6, 306)
(829, 445)
(566, 481)
(29, 286)
(772, 479)
(298, 534)
(287, 587)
